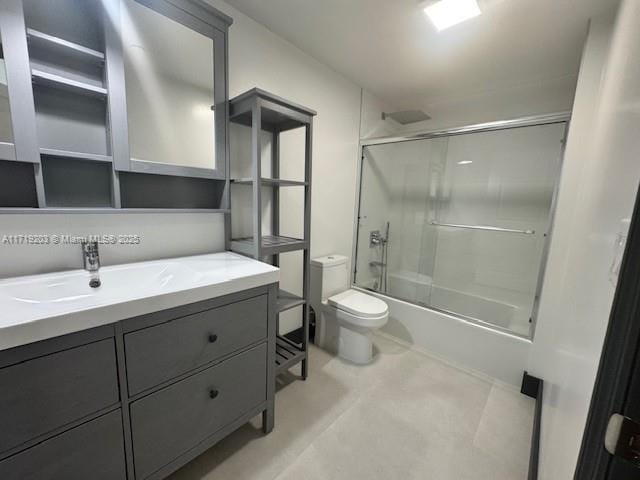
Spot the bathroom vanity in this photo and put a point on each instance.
(136, 378)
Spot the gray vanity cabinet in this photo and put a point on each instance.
(45, 393)
(159, 353)
(173, 420)
(139, 398)
(94, 450)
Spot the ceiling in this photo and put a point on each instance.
(390, 48)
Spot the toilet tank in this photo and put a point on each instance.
(329, 275)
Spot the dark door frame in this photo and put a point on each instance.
(617, 386)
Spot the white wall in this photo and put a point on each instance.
(526, 100)
(598, 189)
(372, 124)
(555, 95)
(162, 236)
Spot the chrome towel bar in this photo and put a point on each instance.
(483, 227)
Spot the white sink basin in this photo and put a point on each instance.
(42, 306)
(73, 287)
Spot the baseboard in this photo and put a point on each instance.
(533, 387)
(530, 385)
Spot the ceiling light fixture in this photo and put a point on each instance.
(465, 162)
(447, 13)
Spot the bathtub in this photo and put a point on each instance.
(470, 345)
(419, 288)
(410, 286)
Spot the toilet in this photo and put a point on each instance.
(345, 318)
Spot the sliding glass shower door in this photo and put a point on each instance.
(459, 223)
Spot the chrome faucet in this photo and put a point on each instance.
(91, 262)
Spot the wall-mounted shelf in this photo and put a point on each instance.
(270, 182)
(46, 41)
(57, 81)
(53, 152)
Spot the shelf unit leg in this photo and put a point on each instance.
(269, 413)
(268, 420)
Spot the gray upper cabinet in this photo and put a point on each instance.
(113, 104)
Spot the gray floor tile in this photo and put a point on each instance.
(406, 416)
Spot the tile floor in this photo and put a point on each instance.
(406, 416)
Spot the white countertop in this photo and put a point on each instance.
(38, 307)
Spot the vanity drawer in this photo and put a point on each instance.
(175, 419)
(162, 352)
(42, 394)
(93, 450)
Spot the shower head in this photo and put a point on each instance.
(405, 117)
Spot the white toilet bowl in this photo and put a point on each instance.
(357, 315)
(345, 318)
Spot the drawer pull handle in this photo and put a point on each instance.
(212, 338)
(213, 393)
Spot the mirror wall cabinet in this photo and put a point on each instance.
(113, 105)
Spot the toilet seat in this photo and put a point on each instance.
(359, 309)
(359, 304)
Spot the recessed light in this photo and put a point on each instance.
(447, 13)
(465, 162)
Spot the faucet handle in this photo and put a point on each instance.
(90, 256)
(89, 247)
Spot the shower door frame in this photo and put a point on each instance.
(529, 121)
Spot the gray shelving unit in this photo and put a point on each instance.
(263, 111)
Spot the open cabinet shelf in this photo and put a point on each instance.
(60, 45)
(68, 84)
(54, 152)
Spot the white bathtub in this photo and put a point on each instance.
(411, 286)
(419, 288)
(473, 346)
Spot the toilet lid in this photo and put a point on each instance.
(359, 304)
